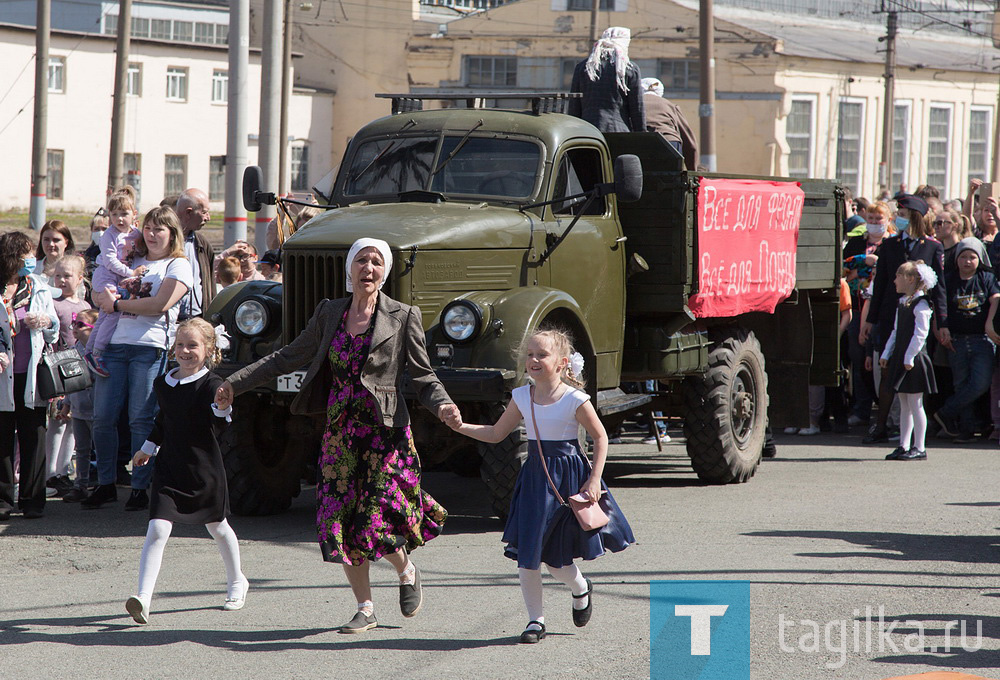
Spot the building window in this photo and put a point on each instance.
(220, 86)
(587, 5)
(900, 146)
(222, 34)
(491, 71)
(57, 74)
(938, 136)
(140, 27)
(680, 74)
(111, 24)
(183, 31)
(133, 81)
(177, 89)
(204, 33)
(174, 175)
(217, 178)
(979, 143)
(799, 136)
(300, 168)
(160, 29)
(850, 133)
(54, 163)
(567, 68)
(133, 171)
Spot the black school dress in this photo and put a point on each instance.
(920, 378)
(189, 479)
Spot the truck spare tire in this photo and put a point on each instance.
(727, 409)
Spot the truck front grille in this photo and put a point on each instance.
(308, 278)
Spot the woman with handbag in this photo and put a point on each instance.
(28, 322)
(539, 528)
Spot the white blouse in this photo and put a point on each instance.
(557, 421)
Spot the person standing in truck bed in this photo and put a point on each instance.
(665, 117)
(610, 84)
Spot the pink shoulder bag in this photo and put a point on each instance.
(591, 514)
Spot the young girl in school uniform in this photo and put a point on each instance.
(905, 359)
(189, 480)
(538, 529)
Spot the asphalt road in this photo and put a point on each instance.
(823, 531)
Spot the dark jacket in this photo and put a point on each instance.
(397, 344)
(603, 104)
(665, 117)
(891, 254)
(205, 254)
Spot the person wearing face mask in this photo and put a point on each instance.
(913, 243)
(28, 322)
(860, 258)
(98, 225)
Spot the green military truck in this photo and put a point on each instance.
(504, 221)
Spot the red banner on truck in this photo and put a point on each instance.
(748, 232)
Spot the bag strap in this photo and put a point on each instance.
(538, 441)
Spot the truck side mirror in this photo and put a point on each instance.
(628, 178)
(253, 178)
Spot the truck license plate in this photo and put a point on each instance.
(291, 382)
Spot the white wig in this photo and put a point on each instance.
(613, 45)
(378, 244)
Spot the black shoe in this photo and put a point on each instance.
(899, 451)
(4, 514)
(770, 450)
(913, 454)
(61, 483)
(33, 514)
(582, 616)
(105, 493)
(359, 624)
(74, 495)
(124, 478)
(876, 435)
(948, 427)
(139, 500)
(530, 636)
(411, 597)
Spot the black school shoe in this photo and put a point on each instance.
(876, 435)
(913, 454)
(74, 495)
(897, 452)
(531, 636)
(139, 500)
(104, 493)
(582, 616)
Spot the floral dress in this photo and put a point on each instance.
(369, 500)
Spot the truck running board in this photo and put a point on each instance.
(616, 401)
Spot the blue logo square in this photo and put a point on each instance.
(699, 630)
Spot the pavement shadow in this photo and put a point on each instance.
(949, 641)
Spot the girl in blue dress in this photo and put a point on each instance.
(538, 528)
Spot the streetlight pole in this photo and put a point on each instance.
(706, 112)
(888, 112)
(39, 153)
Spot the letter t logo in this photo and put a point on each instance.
(701, 624)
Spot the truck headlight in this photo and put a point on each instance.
(461, 321)
(251, 317)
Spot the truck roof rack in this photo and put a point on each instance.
(541, 102)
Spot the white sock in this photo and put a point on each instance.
(408, 576)
(229, 548)
(368, 607)
(572, 577)
(152, 555)
(531, 591)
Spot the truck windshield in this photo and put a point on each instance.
(487, 167)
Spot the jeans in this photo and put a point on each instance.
(972, 371)
(133, 369)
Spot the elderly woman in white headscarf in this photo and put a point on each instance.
(610, 84)
(369, 501)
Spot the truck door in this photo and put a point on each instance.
(590, 263)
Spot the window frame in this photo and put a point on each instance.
(494, 58)
(217, 178)
(220, 86)
(692, 73)
(988, 140)
(863, 103)
(299, 178)
(180, 74)
(55, 189)
(813, 101)
(943, 187)
(901, 133)
(57, 66)
(168, 189)
(555, 210)
(134, 67)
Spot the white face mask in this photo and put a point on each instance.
(876, 229)
(95, 236)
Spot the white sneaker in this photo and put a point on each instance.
(664, 439)
(138, 609)
(791, 430)
(853, 420)
(809, 431)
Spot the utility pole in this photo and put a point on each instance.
(39, 154)
(706, 112)
(286, 89)
(269, 141)
(889, 109)
(235, 228)
(116, 170)
(594, 9)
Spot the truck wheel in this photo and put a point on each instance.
(263, 457)
(727, 410)
(502, 462)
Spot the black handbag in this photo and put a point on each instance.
(61, 373)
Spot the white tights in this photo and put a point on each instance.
(531, 588)
(912, 421)
(156, 540)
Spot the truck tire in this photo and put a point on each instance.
(502, 462)
(727, 410)
(263, 457)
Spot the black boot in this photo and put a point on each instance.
(105, 493)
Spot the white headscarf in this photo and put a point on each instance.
(614, 46)
(652, 86)
(381, 246)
